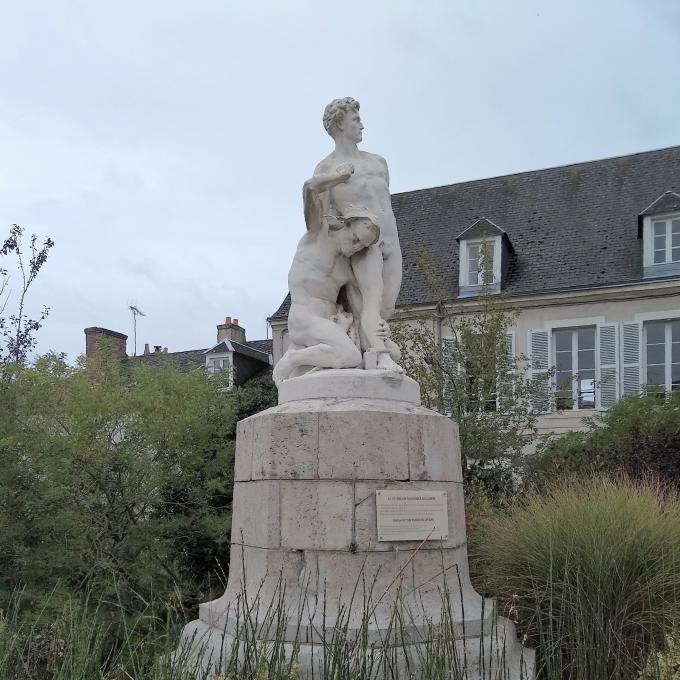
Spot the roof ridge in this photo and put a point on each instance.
(182, 351)
(241, 344)
(537, 170)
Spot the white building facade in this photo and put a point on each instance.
(589, 256)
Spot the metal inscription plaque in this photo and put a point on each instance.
(412, 515)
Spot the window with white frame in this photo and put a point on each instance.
(666, 243)
(662, 355)
(574, 361)
(215, 365)
(480, 264)
(478, 382)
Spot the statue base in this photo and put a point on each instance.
(304, 536)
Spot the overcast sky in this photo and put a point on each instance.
(163, 144)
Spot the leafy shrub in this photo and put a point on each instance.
(590, 570)
(638, 436)
(117, 481)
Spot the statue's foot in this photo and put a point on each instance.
(393, 349)
(387, 363)
(380, 359)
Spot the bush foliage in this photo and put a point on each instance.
(116, 480)
(591, 572)
(638, 436)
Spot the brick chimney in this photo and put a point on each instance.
(230, 330)
(95, 337)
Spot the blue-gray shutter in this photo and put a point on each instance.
(451, 369)
(539, 366)
(607, 365)
(631, 334)
(505, 379)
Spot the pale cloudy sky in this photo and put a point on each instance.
(163, 144)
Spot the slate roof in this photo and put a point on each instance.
(192, 359)
(182, 361)
(261, 345)
(574, 226)
(282, 311)
(244, 350)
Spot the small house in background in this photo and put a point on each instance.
(242, 359)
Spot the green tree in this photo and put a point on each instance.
(116, 479)
(18, 330)
(473, 375)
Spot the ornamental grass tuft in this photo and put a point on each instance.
(590, 570)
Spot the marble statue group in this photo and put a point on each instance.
(346, 272)
(339, 483)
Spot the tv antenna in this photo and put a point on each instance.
(136, 311)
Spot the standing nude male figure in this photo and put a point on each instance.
(377, 269)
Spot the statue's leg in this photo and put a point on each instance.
(367, 266)
(287, 366)
(391, 276)
(368, 271)
(392, 272)
(324, 344)
(355, 303)
(284, 367)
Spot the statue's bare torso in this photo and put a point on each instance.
(369, 188)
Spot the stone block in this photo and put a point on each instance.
(243, 464)
(411, 579)
(433, 448)
(350, 383)
(316, 514)
(256, 520)
(263, 576)
(362, 445)
(285, 446)
(442, 577)
(373, 573)
(365, 519)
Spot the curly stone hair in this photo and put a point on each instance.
(336, 111)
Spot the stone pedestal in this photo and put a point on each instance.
(304, 531)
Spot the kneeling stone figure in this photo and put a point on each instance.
(320, 329)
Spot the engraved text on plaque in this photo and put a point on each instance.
(411, 515)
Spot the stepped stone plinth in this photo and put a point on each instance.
(304, 531)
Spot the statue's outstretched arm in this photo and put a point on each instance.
(315, 194)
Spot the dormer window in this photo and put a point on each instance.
(666, 239)
(484, 254)
(659, 226)
(480, 261)
(215, 366)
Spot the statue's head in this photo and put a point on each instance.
(341, 119)
(355, 230)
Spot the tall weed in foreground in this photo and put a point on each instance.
(86, 643)
(590, 570)
(82, 642)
